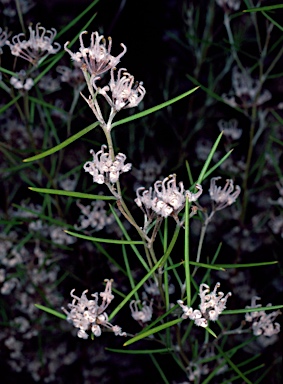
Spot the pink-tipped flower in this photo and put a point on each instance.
(223, 197)
(38, 45)
(96, 57)
(125, 92)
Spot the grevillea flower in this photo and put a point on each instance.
(87, 315)
(223, 197)
(96, 57)
(166, 197)
(262, 323)
(125, 93)
(212, 304)
(104, 169)
(39, 44)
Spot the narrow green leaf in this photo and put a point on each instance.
(211, 332)
(266, 8)
(125, 233)
(157, 366)
(8, 105)
(94, 125)
(4, 70)
(273, 21)
(99, 240)
(246, 310)
(211, 93)
(154, 109)
(51, 311)
(217, 165)
(203, 265)
(232, 365)
(159, 328)
(79, 195)
(208, 160)
(76, 19)
(138, 286)
(226, 266)
(152, 331)
(140, 351)
(64, 144)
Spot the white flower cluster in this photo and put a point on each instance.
(88, 315)
(212, 304)
(143, 315)
(247, 89)
(166, 198)
(96, 57)
(38, 44)
(262, 324)
(230, 129)
(104, 169)
(223, 197)
(96, 60)
(125, 93)
(232, 4)
(94, 215)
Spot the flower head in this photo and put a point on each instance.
(97, 56)
(105, 170)
(142, 315)
(262, 324)
(223, 197)
(125, 92)
(167, 197)
(212, 304)
(87, 315)
(39, 44)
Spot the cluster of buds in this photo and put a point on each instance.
(166, 198)
(212, 304)
(223, 197)
(87, 315)
(38, 45)
(22, 82)
(104, 169)
(262, 324)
